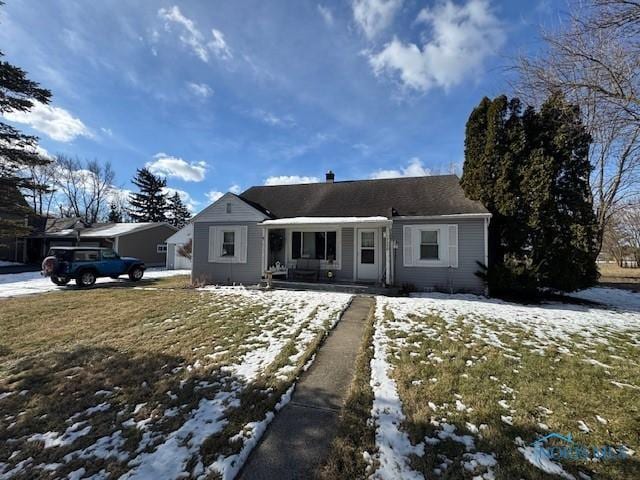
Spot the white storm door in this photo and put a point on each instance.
(368, 254)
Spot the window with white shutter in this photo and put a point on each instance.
(430, 245)
(453, 246)
(407, 246)
(228, 244)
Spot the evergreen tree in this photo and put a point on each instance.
(17, 151)
(150, 203)
(115, 214)
(555, 188)
(177, 212)
(530, 170)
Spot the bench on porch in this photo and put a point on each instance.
(306, 269)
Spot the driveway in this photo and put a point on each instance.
(16, 284)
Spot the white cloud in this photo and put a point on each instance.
(373, 16)
(461, 38)
(177, 167)
(55, 122)
(193, 38)
(200, 89)
(235, 189)
(214, 195)
(326, 14)
(414, 169)
(272, 119)
(289, 180)
(219, 46)
(187, 199)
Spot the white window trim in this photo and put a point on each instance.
(230, 230)
(161, 248)
(437, 244)
(447, 245)
(216, 238)
(324, 264)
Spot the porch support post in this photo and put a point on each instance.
(265, 249)
(387, 262)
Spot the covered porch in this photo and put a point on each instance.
(338, 250)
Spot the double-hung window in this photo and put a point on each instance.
(429, 249)
(316, 245)
(228, 243)
(431, 245)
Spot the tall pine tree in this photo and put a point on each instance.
(150, 203)
(555, 190)
(177, 212)
(17, 150)
(530, 169)
(115, 213)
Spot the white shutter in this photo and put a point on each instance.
(242, 257)
(453, 246)
(213, 244)
(407, 247)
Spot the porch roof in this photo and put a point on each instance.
(325, 221)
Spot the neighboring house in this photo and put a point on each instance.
(47, 233)
(181, 238)
(146, 241)
(143, 240)
(420, 232)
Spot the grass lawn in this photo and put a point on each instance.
(463, 386)
(149, 382)
(611, 270)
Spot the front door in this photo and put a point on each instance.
(368, 254)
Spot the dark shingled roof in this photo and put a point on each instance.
(411, 196)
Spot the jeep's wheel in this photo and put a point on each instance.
(136, 274)
(61, 281)
(86, 279)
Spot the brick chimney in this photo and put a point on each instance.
(330, 177)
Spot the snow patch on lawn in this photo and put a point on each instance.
(169, 459)
(394, 445)
(17, 284)
(614, 297)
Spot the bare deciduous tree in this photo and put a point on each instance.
(84, 187)
(622, 235)
(593, 60)
(42, 190)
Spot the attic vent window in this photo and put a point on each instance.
(228, 208)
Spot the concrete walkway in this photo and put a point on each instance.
(298, 440)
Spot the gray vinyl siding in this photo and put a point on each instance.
(223, 273)
(143, 244)
(461, 279)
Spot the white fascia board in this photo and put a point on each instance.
(323, 221)
(453, 216)
(225, 198)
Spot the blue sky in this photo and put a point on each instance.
(222, 95)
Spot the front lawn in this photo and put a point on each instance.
(464, 385)
(150, 382)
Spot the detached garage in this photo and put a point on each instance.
(177, 244)
(146, 241)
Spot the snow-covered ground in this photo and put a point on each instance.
(4, 263)
(474, 321)
(275, 319)
(16, 284)
(614, 297)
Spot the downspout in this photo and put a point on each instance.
(486, 250)
(388, 256)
